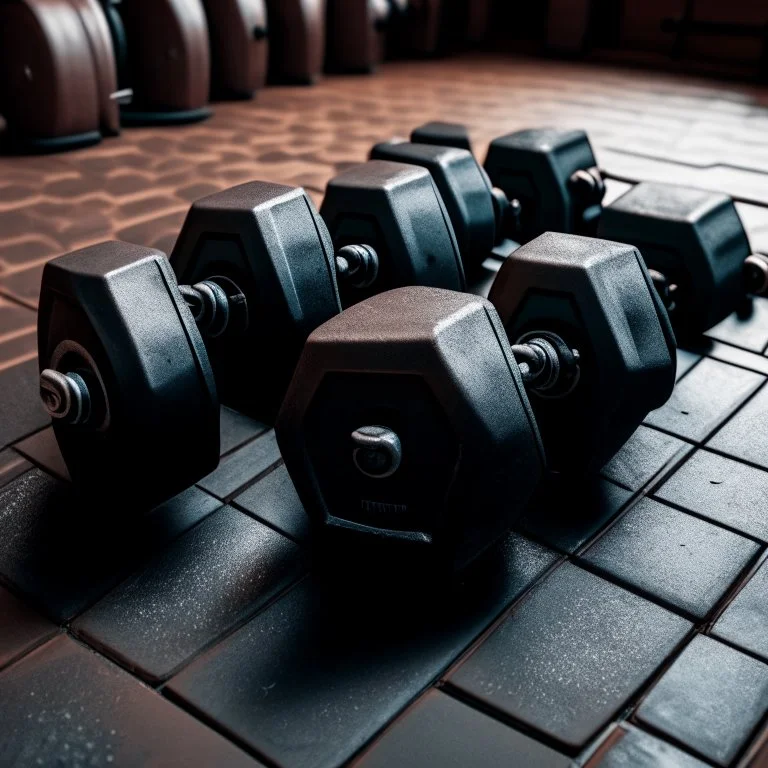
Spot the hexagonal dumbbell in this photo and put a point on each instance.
(389, 229)
(269, 239)
(409, 419)
(550, 176)
(481, 215)
(124, 372)
(397, 210)
(598, 297)
(695, 246)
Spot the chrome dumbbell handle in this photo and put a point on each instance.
(548, 365)
(217, 305)
(357, 265)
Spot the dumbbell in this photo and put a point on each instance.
(481, 215)
(163, 59)
(388, 228)
(695, 246)
(423, 415)
(59, 85)
(296, 40)
(355, 34)
(550, 176)
(237, 34)
(124, 373)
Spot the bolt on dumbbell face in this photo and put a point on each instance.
(695, 247)
(217, 306)
(549, 178)
(438, 443)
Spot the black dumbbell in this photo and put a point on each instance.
(550, 176)
(695, 246)
(397, 210)
(388, 228)
(409, 418)
(124, 373)
(482, 217)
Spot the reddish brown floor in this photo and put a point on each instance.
(137, 187)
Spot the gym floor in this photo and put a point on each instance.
(137, 187)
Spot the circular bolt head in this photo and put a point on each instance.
(377, 452)
(756, 273)
(358, 264)
(65, 396)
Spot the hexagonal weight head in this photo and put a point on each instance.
(434, 368)
(112, 313)
(535, 167)
(397, 210)
(599, 298)
(270, 240)
(695, 238)
(465, 190)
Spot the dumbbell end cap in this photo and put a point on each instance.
(756, 273)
